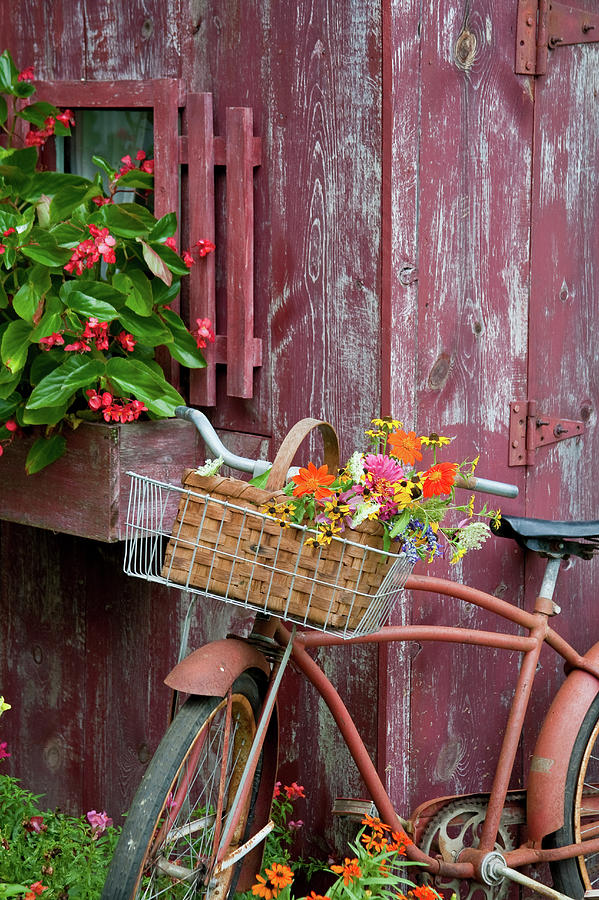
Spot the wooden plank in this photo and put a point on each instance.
(476, 129)
(202, 284)
(240, 253)
(564, 327)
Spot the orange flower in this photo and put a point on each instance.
(405, 446)
(279, 875)
(314, 896)
(313, 481)
(423, 892)
(400, 842)
(375, 823)
(350, 870)
(439, 479)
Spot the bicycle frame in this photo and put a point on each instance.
(196, 674)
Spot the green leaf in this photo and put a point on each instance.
(46, 415)
(67, 235)
(172, 259)
(164, 227)
(401, 523)
(38, 112)
(155, 263)
(136, 378)
(8, 406)
(44, 363)
(259, 481)
(51, 183)
(163, 293)
(44, 452)
(76, 372)
(8, 73)
(3, 110)
(135, 178)
(23, 89)
(92, 298)
(138, 290)
(103, 164)
(47, 325)
(150, 330)
(183, 348)
(44, 249)
(15, 345)
(27, 299)
(69, 198)
(125, 219)
(3, 297)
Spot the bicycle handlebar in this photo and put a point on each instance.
(258, 466)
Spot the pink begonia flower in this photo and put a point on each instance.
(295, 826)
(3, 752)
(98, 821)
(277, 791)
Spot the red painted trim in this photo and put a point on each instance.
(202, 284)
(240, 252)
(110, 94)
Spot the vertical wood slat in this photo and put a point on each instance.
(202, 277)
(240, 252)
(166, 182)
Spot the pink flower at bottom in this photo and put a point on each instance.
(3, 752)
(98, 821)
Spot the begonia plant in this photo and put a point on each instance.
(86, 285)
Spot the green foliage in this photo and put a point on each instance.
(63, 852)
(84, 281)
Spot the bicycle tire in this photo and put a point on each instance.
(575, 876)
(157, 857)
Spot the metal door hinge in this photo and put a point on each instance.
(544, 25)
(530, 429)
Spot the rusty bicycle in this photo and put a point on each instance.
(197, 824)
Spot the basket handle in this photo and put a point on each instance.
(290, 445)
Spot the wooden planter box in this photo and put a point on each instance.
(86, 491)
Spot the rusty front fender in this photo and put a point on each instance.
(549, 764)
(211, 670)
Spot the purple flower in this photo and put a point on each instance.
(98, 821)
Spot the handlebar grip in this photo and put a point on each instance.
(486, 486)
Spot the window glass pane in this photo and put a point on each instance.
(111, 133)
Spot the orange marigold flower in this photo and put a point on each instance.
(350, 870)
(314, 896)
(439, 479)
(375, 842)
(405, 446)
(313, 481)
(264, 889)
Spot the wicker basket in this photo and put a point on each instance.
(223, 544)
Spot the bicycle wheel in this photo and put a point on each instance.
(581, 810)
(167, 845)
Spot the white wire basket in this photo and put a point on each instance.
(201, 543)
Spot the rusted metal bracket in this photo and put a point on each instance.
(544, 25)
(530, 429)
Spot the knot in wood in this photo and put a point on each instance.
(465, 49)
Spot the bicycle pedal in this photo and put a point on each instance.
(354, 809)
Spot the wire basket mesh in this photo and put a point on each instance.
(211, 544)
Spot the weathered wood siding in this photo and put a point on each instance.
(425, 230)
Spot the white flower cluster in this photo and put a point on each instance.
(364, 512)
(473, 536)
(355, 467)
(210, 467)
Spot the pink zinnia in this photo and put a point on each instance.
(383, 467)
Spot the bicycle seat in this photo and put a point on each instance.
(551, 538)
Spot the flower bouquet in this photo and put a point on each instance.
(86, 285)
(392, 485)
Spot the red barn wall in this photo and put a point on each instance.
(425, 233)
